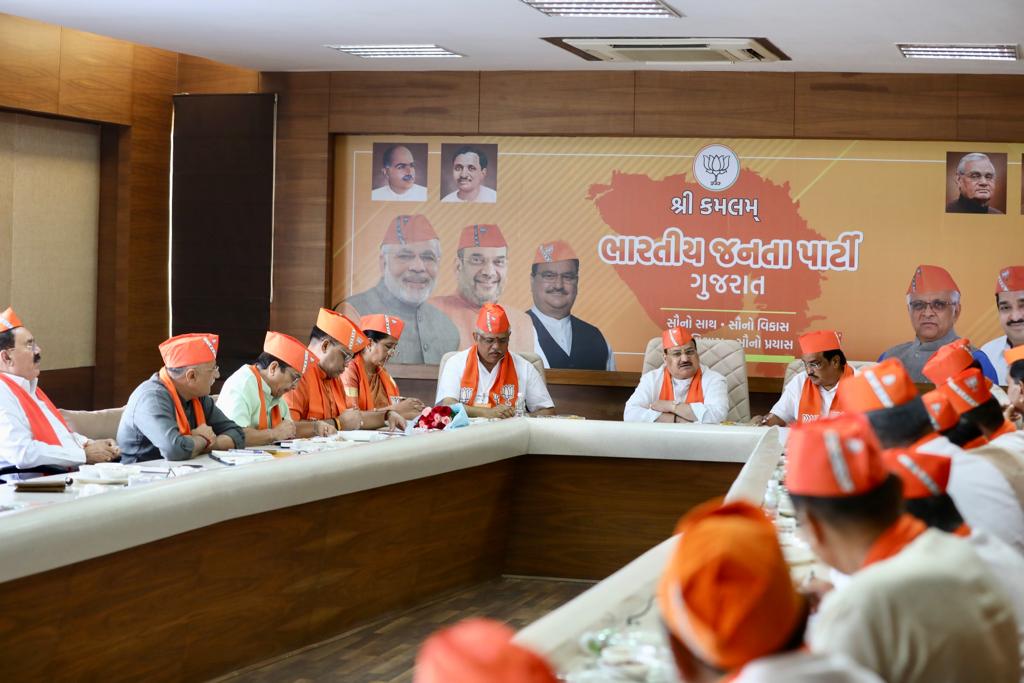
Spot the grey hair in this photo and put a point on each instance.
(954, 296)
(435, 245)
(967, 158)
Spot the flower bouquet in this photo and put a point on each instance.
(442, 417)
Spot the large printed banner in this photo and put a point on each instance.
(753, 240)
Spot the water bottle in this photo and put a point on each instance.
(520, 405)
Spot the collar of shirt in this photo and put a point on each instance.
(950, 336)
(559, 328)
(29, 386)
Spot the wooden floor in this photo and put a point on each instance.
(384, 650)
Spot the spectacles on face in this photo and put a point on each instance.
(938, 305)
(814, 365)
(494, 341)
(408, 256)
(678, 353)
(975, 176)
(476, 260)
(293, 379)
(549, 278)
(345, 355)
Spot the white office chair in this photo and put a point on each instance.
(724, 356)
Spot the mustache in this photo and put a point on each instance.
(37, 358)
(1015, 322)
(556, 290)
(407, 177)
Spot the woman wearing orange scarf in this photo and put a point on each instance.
(367, 384)
(815, 392)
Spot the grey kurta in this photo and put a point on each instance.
(428, 333)
(916, 353)
(149, 430)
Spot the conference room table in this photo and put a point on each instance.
(195, 575)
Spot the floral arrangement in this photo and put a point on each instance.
(437, 417)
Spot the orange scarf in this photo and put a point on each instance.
(976, 443)
(41, 428)
(505, 389)
(179, 411)
(894, 539)
(695, 394)
(1005, 429)
(810, 406)
(365, 397)
(275, 412)
(320, 401)
(963, 530)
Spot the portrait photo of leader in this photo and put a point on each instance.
(399, 172)
(469, 173)
(976, 182)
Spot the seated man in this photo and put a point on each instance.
(479, 651)
(171, 414)
(681, 390)
(730, 609)
(1010, 307)
(489, 379)
(933, 301)
(366, 382)
(893, 615)
(320, 395)
(33, 434)
(814, 392)
(253, 399)
(1014, 412)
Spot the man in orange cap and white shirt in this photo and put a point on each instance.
(409, 257)
(171, 414)
(33, 434)
(488, 378)
(479, 651)
(367, 384)
(1015, 389)
(814, 392)
(481, 268)
(1010, 306)
(730, 609)
(253, 397)
(320, 394)
(933, 301)
(681, 390)
(893, 616)
(563, 340)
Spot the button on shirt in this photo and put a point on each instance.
(17, 446)
(240, 403)
(712, 411)
(560, 330)
(530, 383)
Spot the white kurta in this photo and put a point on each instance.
(18, 448)
(712, 411)
(932, 613)
(1011, 441)
(788, 405)
(485, 196)
(416, 193)
(560, 330)
(530, 383)
(1007, 567)
(994, 350)
(805, 667)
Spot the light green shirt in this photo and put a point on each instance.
(240, 402)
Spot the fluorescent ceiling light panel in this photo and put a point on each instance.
(621, 9)
(1001, 53)
(394, 51)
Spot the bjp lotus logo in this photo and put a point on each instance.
(716, 167)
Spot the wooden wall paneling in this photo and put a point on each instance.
(556, 102)
(876, 106)
(593, 403)
(29, 64)
(714, 104)
(405, 102)
(95, 77)
(197, 75)
(990, 108)
(70, 388)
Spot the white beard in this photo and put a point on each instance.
(413, 297)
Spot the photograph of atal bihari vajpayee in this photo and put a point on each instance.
(975, 182)
(399, 172)
(469, 173)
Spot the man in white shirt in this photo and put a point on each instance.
(1010, 306)
(469, 169)
(399, 171)
(32, 432)
(563, 340)
(681, 390)
(487, 378)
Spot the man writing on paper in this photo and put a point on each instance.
(489, 379)
(32, 432)
(814, 392)
(320, 395)
(171, 414)
(681, 390)
(253, 397)
(1010, 306)
(367, 383)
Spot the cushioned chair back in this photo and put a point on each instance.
(94, 424)
(724, 356)
(798, 366)
(533, 358)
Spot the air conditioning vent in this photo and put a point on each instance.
(673, 50)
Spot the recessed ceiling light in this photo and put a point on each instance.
(1002, 53)
(394, 51)
(621, 9)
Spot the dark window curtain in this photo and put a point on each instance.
(222, 221)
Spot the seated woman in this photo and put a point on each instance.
(681, 390)
(368, 386)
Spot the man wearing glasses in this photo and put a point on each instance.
(976, 181)
(1010, 306)
(563, 340)
(933, 301)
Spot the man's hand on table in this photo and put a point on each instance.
(502, 412)
(323, 428)
(394, 422)
(409, 407)
(103, 450)
(203, 436)
(284, 431)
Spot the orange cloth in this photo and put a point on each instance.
(940, 411)
(41, 428)
(185, 350)
(810, 398)
(819, 342)
(881, 386)
(9, 320)
(368, 393)
(179, 410)
(924, 475)
(967, 390)
(505, 389)
(947, 361)
(479, 651)
(288, 350)
(894, 539)
(1010, 279)
(481, 236)
(1013, 355)
(463, 315)
(275, 412)
(316, 397)
(695, 394)
(931, 279)
(385, 324)
(834, 457)
(405, 229)
(1006, 428)
(342, 329)
(726, 593)
(962, 531)
(554, 251)
(675, 336)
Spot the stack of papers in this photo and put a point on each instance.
(240, 457)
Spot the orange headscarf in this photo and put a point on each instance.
(671, 338)
(179, 410)
(492, 320)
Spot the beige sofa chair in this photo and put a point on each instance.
(94, 424)
(724, 356)
(533, 358)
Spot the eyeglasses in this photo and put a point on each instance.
(551, 278)
(493, 341)
(974, 176)
(477, 260)
(938, 305)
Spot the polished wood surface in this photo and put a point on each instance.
(95, 77)
(69, 388)
(556, 103)
(197, 75)
(29, 64)
(405, 102)
(990, 108)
